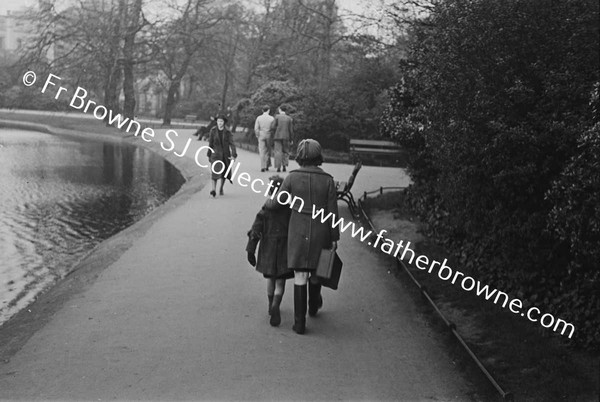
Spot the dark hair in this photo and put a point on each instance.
(283, 107)
(276, 180)
(266, 108)
(310, 162)
(222, 117)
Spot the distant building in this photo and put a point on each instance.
(13, 34)
(150, 96)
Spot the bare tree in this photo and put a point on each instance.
(134, 23)
(180, 42)
(88, 40)
(259, 28)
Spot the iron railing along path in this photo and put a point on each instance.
(508, 396)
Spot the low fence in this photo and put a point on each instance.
(326, 158)
(452, 326)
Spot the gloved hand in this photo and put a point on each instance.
(251, 259)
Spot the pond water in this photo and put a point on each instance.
(60, 197)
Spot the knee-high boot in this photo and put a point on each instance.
(270, 297)
(299, 309)
(275, 314)
(315, 301)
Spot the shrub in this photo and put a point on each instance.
(493, 97)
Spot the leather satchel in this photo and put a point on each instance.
(329, 268)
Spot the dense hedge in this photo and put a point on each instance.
(494, 105)
(21, 97)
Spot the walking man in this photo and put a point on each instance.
(262, 129)
(284, 133)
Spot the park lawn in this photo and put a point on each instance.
(66, 122)
(531, 362)
(86, 124)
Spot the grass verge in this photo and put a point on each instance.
(66, 122)
(526, 359)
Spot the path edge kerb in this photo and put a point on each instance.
(451, 326)
(15, 332)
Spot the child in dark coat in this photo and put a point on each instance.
(270, 228)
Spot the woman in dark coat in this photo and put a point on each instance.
(220, 141)
(308, 236)
(270, 228)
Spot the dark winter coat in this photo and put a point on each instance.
(223, 149)
(270, 228)
(283, 127)
(308, 236)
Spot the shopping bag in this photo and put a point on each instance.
(329, 268)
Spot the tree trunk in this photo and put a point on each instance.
(327, 44)
(190, 89)
(128, 60)
(172, 94)
(111, 93)
(228, 68)
(128, 89)
(113, 74)
(224, 93)
(171, 101)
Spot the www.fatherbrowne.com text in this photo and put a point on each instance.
(80, 102)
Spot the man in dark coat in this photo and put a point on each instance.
(203, 131)
(283, 129)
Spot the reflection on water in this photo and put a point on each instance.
(59, 198)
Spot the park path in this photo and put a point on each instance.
(182, 316)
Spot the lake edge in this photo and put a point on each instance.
(16, 331)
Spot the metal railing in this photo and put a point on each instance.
(380, 191)
(452, 326)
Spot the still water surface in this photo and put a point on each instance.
(59, 198)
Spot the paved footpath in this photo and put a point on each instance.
(182, 315)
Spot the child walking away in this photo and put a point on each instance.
(270, 228)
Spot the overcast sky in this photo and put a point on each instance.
(361, 7)
(13, 5)
(354, 5)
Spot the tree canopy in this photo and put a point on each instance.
(207, 56)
